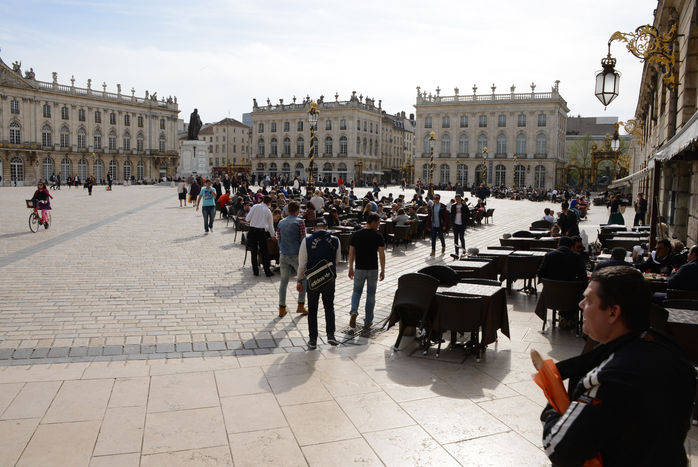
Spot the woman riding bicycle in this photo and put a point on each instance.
(41, 201)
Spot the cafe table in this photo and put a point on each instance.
(499, 257)
(627, 243)
(482, 269)
(658, 282)
(496, 316)
(633, 234)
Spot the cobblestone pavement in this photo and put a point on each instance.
(128, 274)
(221, 380)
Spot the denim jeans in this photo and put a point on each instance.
(327, 293)
(370, 277)
(459, 235)
(209, 213)
(437, 231)
(288, 264)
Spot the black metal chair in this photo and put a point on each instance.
(459, 314)
(445, 275)
(562, 296)
(523, 234)
(526, 268)
(412, 304)
(489, 214)
(239, 227)
(400, 235)
(344, 239)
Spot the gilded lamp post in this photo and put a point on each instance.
(313, 115)
(432, 143)
(484, 164)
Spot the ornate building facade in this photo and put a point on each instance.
(666, 123)
(228, 142)
(47, 128)
(348, 139)
(397, 146)
(524, 134)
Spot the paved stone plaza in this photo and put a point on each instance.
(128, 337)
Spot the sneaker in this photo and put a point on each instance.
(312, 345)
(367, 325)
(455, 256)
(352, 321)
(332, 341)
(282, 311)
(301, 309)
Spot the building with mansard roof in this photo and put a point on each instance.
(524, 134)
(51, 128)
(348, 139)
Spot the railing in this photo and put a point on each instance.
(322, 105)
(508, 97)
(62, 88)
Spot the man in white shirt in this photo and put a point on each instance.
(318, 202)
(261, 227)
(547, 216)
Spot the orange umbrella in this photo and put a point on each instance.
(550, 381)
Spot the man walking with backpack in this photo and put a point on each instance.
(317, 250)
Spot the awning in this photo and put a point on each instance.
(629, 179)
(680, 141)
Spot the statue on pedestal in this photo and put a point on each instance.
(194, 126)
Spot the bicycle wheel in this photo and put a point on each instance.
(33, 222)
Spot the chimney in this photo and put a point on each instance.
(411, 116)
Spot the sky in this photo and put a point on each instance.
(218, 55)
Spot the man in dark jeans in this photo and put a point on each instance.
(315, 248)
(640, 210)
(437, 223)
(568, 221)
(208, 205)
(367, 247)
(261, 227)
(459, 218)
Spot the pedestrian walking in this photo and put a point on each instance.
(459, 218)
(88, 184)
(208, 206)
(290, 234)
(261, 227)
(182, 192)
(366, 248)
(194, 189)
(437, 223)
(319, 250)
(640, 210)
(58, 182)
(110, 179)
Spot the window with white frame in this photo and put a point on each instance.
(81, 115)
(521, 144)
(273, 147)
(112, 118)
(502, 121)
(542, 119)
(444, 174)
(464, 121)
(14, 106)
(82, 138)
(99, 165)
(500, 174)
(519, 176)
(273, 127)
(462, 174)
(139, 142)
(521, 120)
(328, 124)
(127, 141)
(46, 110)
(15, 133)
(463, 144)
(539, 177)
(342, 144)
(65, 168)
(64, 113)
(445, 121)
(65, 137)
(541, 144)
(287, 126)
(481, 143)
(328, 145)
(140, 170)
(47, 168)
(98, 116)
(127, 120)
(260, 147)
(17, 169)
(260, 128)
(427, 122)
(445, 144)
(162, 123)
(97, 139)
(501, 144)
(300, 146)
(425, 173)
(342, 124)
(46, 136)
(482, 123)
(127, 170)
(113, 169)
(287, 146)
(112, 140)
(161, 143)
(299, 127)
(139, 121)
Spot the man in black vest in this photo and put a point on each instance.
(318, 246)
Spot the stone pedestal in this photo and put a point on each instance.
(193, 158)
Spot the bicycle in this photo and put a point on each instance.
(35, 219)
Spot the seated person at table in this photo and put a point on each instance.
(686, 278)
(680, 253)
(244, 210)
(381, 213)
(632, 395)
(222, 201)
(276, 217)
(618, 255)
(412, 213)
(659, 261)
(547, 216)
(563, 264)
(401, 218)
(333, 218)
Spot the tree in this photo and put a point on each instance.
(580, 151)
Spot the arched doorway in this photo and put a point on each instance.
(17, 171)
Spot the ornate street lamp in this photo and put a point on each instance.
(607, 80)
(432, 143)
(484, 172)
(313, 115)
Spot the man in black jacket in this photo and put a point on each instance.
(618, 255)
(660, 260)
(568, 222)
(460, 214)
(632, 395)
(563, 264)
(686, 278)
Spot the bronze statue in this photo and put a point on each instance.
(194, 126)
